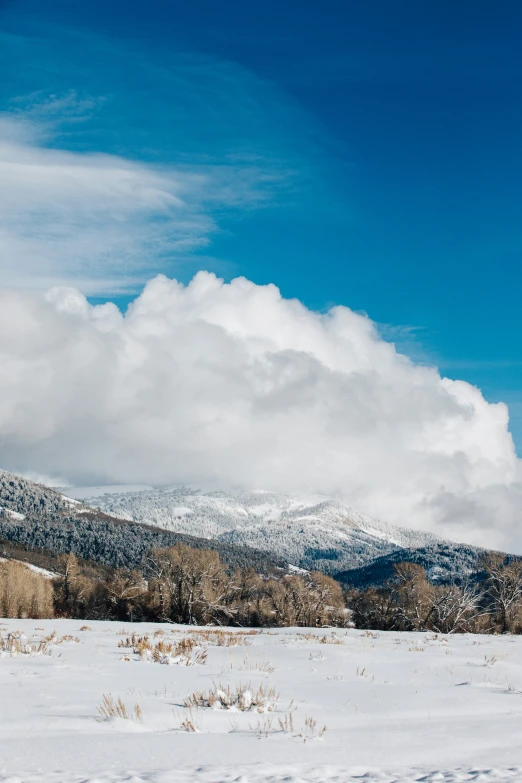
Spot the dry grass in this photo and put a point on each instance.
(363, 673)
(332, 639)
(133, 641)
(246, 665)
(53, 638)
(311, 730)
(111, 708)
(85, 628)
(308, 637)
(186, 652)
(241, 698)
(190, 723)
(286, 725)
(263, 727)
(190, 650)
(314, 637)
(16, 643)
(218, 638)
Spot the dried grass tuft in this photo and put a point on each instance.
(111, 708)
(185, 652)
(263, 666)
(16, 643)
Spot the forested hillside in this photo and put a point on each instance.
(444, 562)
(38, 517)
(315, 533)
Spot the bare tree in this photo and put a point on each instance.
(123, 589)
(72, 589)
(312, 600)
(187, 583)
(413, 597)
(454, 608)
(504, 589)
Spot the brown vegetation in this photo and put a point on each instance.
(111, 708)
(24, 593)
(192, 586)
(410, 602)
(187, 651)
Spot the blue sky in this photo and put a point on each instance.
(366, 154)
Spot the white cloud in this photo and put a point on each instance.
(231, 385)
(102, 222)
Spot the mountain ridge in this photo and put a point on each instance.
(256, 529)
(36, 516)
(315, 533)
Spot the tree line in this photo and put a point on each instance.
(491, 602)
(180, 584)
(177, 584)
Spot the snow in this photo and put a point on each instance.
(398, 707)
(12, 514)
(31, 567)
(42, 571)
(84, 493)
(181, 511)
(302, 530)
(71, 501)
(296, 570)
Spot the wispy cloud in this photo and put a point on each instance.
(102, 221)
(65, 216)
(128, 167)
(481, 364)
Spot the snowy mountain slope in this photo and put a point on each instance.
(39, 518)
(314, 533)
(115, 526)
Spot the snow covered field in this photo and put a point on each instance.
(397, 707)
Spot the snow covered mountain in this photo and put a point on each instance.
(115, 526)
(314, 533)
(37, 518)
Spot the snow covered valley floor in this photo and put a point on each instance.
(397, 707)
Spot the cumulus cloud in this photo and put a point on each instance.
(230, 385)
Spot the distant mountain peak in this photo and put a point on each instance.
(313, 532)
